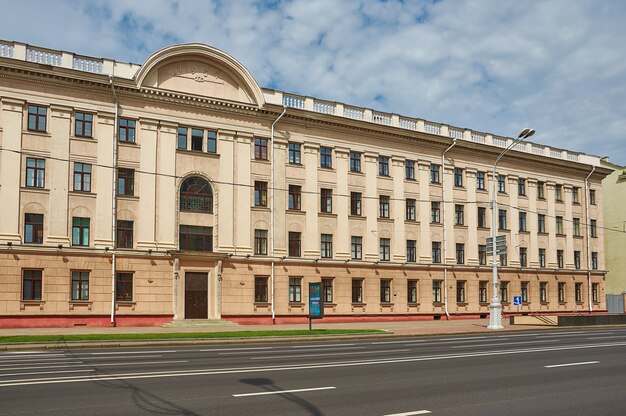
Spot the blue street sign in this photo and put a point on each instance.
(316, 305)
(517, 300)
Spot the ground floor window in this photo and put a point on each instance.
(357, 290)
(411, 292)
(482, 291)
(327, 286)
(295, 289)
(594, 292)
(543, 292)
(385, 291)
(124, 287)
(504, 292)
(579, 292)
(460, 292)
(80, 285)
(437, 291)
(31, 284)
(260, 289)
(561, 292)
(524, 291)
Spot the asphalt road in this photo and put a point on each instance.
(561, 372)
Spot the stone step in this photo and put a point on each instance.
(192, 323)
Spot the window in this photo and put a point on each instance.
(82, 177)
(357, 290)
(327, 290)
(523, 257)
(260, 194)
(575, 195)
(385, 249)
(458, 215)
(31, 284)
(260, 242)
(33, 228)
(325, 157)
(355, 162)
(383, 165)
(356, 248)
(434, 173)
(260, 289)
(80, 231)
(559, 258)
(541, 190)
(355, 203)
(578, 292)
(411, 291)
(504, 292)
(482, 291)
(295, 197)
(480, 180)
(35, 172)
(525, 292)
(410, 209)
(593, 229)
(37, 117)
(411, 251)
(211, 145)
(437, 291)
(522, 221)
(124, 234)
(383, 202)
(127, 130)
(260, 149)
(435, 212)
(561, 292)
(543, 292)
(458, 177)
(409, 169)
(326, 200)
(577, 260)
(182, 138)
(521, 187)
(295, 244)
(502, 219)
(559, 225)
(594, 292)
(460, 253)
(126, 182)
(294, 154)
(295, 289)
(482, 217)
(541, 223)
(503, 259)
(482, 254)
(460, 292)
(594, 260)
(592, 196)
(501, 183)
(558, 192)
(385, 291)
(326, 247)
(195, 238)
(197, 137)
(542, 257)
(80, 285)
(436, 252)
(196, 195)
(576, 226)
(124, 287)
(83, 126)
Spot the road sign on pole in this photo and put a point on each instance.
(500, 245)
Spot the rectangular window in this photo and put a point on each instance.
(592, 196)
(411, 251)
(460, 253)
(541, 223)
(502, 219)
(33, 228)
(482, 291)
(521, 187)
(434, 173)
(561, 292)
(124, 287)
(480, 180)
(577, 260)
(523, 257)
(435, 212)
(593, 229)
(37, 117)
(525, 292)
(460, 292)
(357, 290)
(197, 139)
(541, 190)
(504, 292)
(80, 231)
(594, 292)
(355, 162)
(295, 197)
(83, 126)
(459, 215)
(80, 285)
(326, 157)
(559, 258)
(355, 203)
(385, 249)
(522, 221)
(357, 248)
(482, 217)
(385, 291)
(436, 252)
(503, 259)
(383, 203)
(126, 182)
(260, 289)
(260, 194)
(35, 172)
(411, 291)
(326, 200)
(82, 177)
(543, 292)
(542, 257)
(558, 192)
(327, 290)
(576, 226)
(326, 246)
(458, 177)
(124, 234)
(31, 284)
(559, 225)
(594, 260)
(578, 292)
(260, 148)
(501, 183)
(294, 154)
(575, 195)
(383, 165)
(182, 138)
(411, 214)
(409, 169)
(260, 242)
(295, 244)
(195, 238)
(295, 289)
(211, 145)
(482, 254)
(126, 130)
(437, 291)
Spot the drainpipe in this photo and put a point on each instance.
(272, 212)
(588, 226)
(445, 250)
(113, 202)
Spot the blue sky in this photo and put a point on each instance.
(497, 66)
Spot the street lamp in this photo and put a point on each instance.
(495, 309)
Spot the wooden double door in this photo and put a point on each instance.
(196, 295)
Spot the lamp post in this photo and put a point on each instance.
(495, 308)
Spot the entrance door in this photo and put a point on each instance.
(196, 288)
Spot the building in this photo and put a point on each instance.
(181, 189)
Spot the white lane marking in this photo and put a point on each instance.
(46, 372)
(15, 357)
(418, 412)
(58, 361)
(322, 345)
(237, 349)
(26, 352)
(461, 338)
(263, 393)
(117, 357)
(519, 335)
(571, 364)
(398, 342)
(608, 337)
(574, 334)
(130, 352)
(289, 351)
(330, 353)
(505, 343)
(92, 365)
(313, 366)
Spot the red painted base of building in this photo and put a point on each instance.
(68, 321)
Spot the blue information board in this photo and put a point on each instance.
(316, 304)
(517, 300)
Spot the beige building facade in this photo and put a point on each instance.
(181, 189)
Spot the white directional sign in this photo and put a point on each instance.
(500, 245)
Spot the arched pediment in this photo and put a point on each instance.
(200, 70)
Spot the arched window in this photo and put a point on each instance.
(196, 195)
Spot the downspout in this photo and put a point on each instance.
(113, 202)
(443, 211)
(588, 227)
(272, 213)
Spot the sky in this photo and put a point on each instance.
(497, 66)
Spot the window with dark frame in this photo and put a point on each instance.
(82, 177)
(575, 195)
(503, 259)
(436, 252)
(437, 291)
(460, 253)
(126, 132)
(524, 287)
(559, 225)
(355, 203)
(295, 198)
(124, 287)
(32, 284)
(542, 257)
(260, 289)
(577, 260)
(561, 292)
(195, 238)
(182, 138)
(80, 285)
(458, 177)
(480, 181)
(435, 212)
(295, 244)
(411, 291)
(593, 228)
(211, 146)
(385, 249)
(357, 290)
(356, 248)
(385, 291)
(460, 292)
(295, 289)
(434, 173)
(37, 117)
(383, 165)
(482, 254)
(260, 148)
(521, 187)
(355, 162)
(543, 292)
(80, 231)
(541, 223)
(125, 182)
(501, 183)
(560, 259)
(522, 221)
(326, 246)
(197, 139)
(83, 124)
(327, 290)
(558, 193)
(594, 292)
(504, 292)
(592, 196)
(124, 234)
(482, 217)
(594, 260)
(196, 195)
(384, 206)
(411, 251)
(409, 170)
(326, 200)
(35, 172)
(260, 194)
(411, 214)
(541, 190)
(482, 291)
(578, 292)
(523, 257)
(295, 154)
(459, 217)
(260, 242)
(576, 226)
(33, 228)
(326, 157)
(502, 219)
